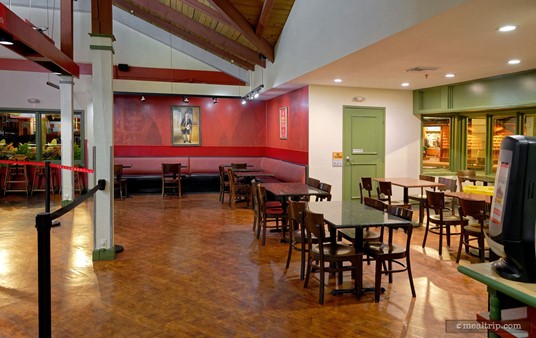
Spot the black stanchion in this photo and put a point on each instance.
(43, 222)
(55, 223)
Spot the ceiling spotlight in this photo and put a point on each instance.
(337, 80)
(215, 100)
(507, 28)
(142, 98)
(256, 96)
(244, 100)
(405, 84)
(5, 39)
(185, 99)
(450, 75)
(514, 61)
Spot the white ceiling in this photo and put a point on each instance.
(464, 41)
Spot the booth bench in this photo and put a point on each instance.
(201, 174)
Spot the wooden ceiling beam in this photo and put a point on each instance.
(235, 53)
(34, 45)
(210, 12)
(263, 18)
(66, 28)
(244, 27)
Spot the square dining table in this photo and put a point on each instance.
(353, 214)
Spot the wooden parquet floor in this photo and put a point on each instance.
(193, 268)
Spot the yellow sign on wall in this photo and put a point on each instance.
(337, 159)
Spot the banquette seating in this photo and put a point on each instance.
(200, 173)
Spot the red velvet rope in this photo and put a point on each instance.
(52, 165)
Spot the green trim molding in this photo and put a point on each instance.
(103, 254)
(500, 92)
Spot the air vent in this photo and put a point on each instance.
(421, 69)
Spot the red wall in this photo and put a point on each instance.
(295, 148)
(228, 128)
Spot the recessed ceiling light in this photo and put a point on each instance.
(450, 75)
(514, 61)
(405, 84)
(507, 28)
(337, 80)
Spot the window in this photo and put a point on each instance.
(436, 143)
(529, 127)
(36, 135)
(476, 144)
(502, 126)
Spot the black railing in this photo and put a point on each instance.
(43, 223)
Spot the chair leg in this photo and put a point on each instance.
(448, 235)
(410, 276)
(425, 233)
(321, 293)
(378, 280)
(308, 272)
(302, 262)
(481, 249)
(440, 239)
(289, 252)
(460, 248)
(264, 233)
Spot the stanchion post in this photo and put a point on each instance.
(47, 186)
(43, 222)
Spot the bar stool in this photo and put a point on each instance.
(16, 179)
(39, 180)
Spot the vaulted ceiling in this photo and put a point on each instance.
(243, 32)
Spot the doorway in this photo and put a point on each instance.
(363, 147)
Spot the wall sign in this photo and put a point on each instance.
(283, 123)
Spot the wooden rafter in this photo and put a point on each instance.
(173, 21)
(210, 12)
(263, 19)
(244, 27)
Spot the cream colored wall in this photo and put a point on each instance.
(402, 130)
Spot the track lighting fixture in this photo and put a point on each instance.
(142, 98)
(185, 99)
(254, 94)
(215, 100)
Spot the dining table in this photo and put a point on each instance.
(352, 214)
(478, 178)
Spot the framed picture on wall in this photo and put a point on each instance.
(283, 123)
(185, 126)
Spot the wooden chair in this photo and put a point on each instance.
(333, 253)
(171, 178)
(327, 188)
(365, 184)
(467, 172)
(268, 215)
(297, 238)
(224, 183)
(238, 192)
(385, 191)
(120, 183)
(421, 198)
(476, 210)
(449, 185)
(392, 253)
(368, 234)
(441, 220)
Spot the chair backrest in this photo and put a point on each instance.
(232, 182)
(239, 165)
(374, 203)
(450, 184)
(327, 188)
(473, 208)
(384, 191)
(427, 178)
(435, 200)
(171, 169)
(313, 182)
(406, 214)
(314, 225)
(461, 173)
(365, 184)
(255, 196)
(221, 168)
(296, 213)
(118, 172)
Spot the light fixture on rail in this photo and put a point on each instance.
(214, 100)
(254, 94)
(185, 99)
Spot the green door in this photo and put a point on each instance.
(363, 147)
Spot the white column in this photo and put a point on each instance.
(66, 105)
(102, 142)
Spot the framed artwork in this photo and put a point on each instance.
(185, 126)
(283, 123)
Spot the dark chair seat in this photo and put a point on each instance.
(333, 251)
